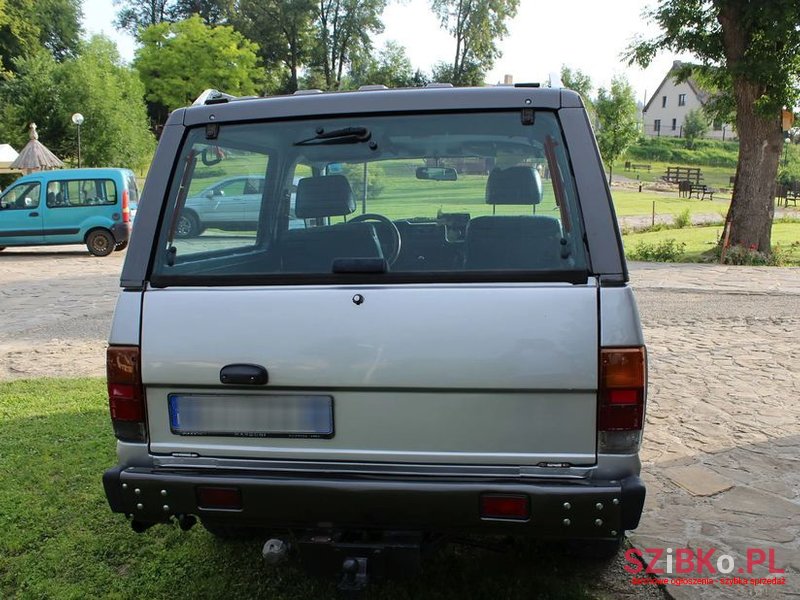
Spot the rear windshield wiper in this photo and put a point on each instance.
(347, 135)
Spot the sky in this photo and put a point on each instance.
(589, 35)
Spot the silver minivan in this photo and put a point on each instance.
(440, 339)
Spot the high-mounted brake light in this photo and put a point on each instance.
(126, 208)
(126, 393)
(621, 398)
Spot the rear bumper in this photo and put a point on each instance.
(597, 509)
(121, 232)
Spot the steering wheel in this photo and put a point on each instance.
(394, 248)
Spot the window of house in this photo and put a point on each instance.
(681, 99)
(674, 124)
(663, 101)
(657, 125)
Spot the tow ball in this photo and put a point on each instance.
(354, 575)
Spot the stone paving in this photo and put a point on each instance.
(721, 454)
(722, 441)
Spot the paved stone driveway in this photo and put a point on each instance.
(722, 440)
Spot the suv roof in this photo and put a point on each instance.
(226, 109)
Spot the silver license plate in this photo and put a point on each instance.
(273, 415)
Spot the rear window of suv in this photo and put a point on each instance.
(419, 197)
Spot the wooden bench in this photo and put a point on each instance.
(701, 191)
(789, 192)
(637, 166)
(678, 174)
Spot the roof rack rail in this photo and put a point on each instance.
(438, 84)
(371, 87)
(306, 92)
(212, 96)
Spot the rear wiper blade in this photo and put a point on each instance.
(346, 135)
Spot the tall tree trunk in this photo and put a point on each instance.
(760, 142)
(752, 206)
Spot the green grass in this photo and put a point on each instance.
(631, 203)
(716, 177)
(58, 538)
(702, 240)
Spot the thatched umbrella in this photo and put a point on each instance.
(35, 156)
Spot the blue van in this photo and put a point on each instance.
(70, 206)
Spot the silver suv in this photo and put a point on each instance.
(440, 340)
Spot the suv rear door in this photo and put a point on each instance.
(488, 367)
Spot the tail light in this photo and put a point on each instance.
(505, 506)
(214, 497)
(126, 208)
(621, 399)
(126, 393)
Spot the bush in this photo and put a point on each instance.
(683, 219)
(669, 250)
(673, 150)
(739, 255)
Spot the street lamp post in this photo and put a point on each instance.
(786, 141)
(77, 118)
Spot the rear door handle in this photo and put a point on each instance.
(243, 374)
(33, 214)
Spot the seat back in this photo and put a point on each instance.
(513, 242)
(313, 250)
(524, 242)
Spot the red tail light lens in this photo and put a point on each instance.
(125, 393)
(126, 208)
(623, 378)
(226, 498)
(503, 506)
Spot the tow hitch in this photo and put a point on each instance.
(356, 557)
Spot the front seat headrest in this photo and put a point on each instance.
(514, 185)
(326, 196)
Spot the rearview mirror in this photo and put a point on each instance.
(437, 173)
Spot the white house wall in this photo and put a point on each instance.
(672, 112)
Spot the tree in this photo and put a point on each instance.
(472, 75)
(695, 125)
(28, 25)
(391, 68)
(618, 119)
(751, 50)
(32, 94)
(477, 25)
(110, 96)
(213, 12)
(59, 23)
(177, 61)
(94, 83)
(283, 31)
(578, 81)
(345, 29)
(135, 15)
